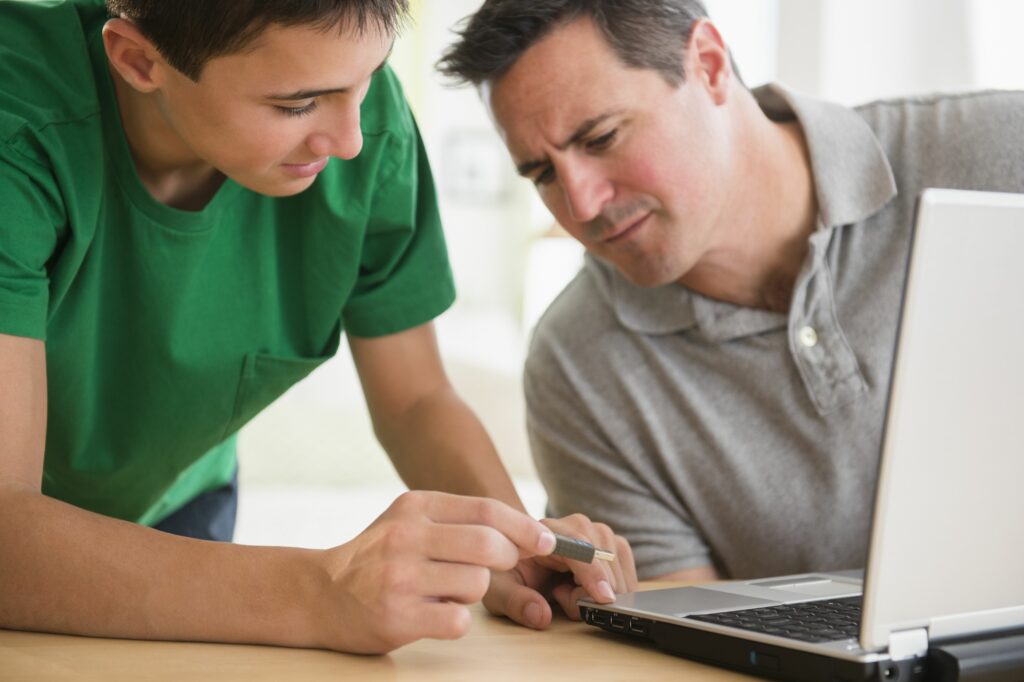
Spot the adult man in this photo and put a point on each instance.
(713, 382)
(177, 233)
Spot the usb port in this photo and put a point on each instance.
(598, 617)
(637, 626)
(617, 622)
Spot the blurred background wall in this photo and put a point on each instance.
(312, 473)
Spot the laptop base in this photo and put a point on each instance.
(752, 658)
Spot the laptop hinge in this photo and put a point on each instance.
(908, 644)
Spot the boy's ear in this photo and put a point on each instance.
(133, 55)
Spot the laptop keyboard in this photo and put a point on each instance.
(813, 621)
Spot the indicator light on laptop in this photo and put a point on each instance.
(580, 550)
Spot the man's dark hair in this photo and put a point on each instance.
(188, 33)
(645, 34)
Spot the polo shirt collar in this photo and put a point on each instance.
(852, 175)
(853, 180)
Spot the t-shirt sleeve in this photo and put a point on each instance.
(585, 469)
(30, 221)
(404, 275)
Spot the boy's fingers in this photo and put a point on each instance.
(529, 535)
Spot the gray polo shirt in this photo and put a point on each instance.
(710, 433)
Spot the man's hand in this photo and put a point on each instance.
(522, 594)
(412, 573)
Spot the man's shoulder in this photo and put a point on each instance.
(581, 312)
(944, 109)
(965, 140)
(980, 98)
(985, 114)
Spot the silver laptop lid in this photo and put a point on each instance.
(947, 539)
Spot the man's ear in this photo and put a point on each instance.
(133, 55)
(707, 60)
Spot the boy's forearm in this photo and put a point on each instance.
(66, 570)
(440, 444)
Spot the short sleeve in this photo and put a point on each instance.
(404, 275)
(30, 222)
(585, 469)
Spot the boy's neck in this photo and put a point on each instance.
(168, 169)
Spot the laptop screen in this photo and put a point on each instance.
(946, 550)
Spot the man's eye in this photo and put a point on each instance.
(298, 111)
(544, 177)
(603, 142)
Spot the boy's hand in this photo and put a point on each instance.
(412, 573)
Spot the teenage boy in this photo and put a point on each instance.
(199, 198)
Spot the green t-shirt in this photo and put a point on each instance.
(167, 330)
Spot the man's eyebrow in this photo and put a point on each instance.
(582, 130)
(310, 94)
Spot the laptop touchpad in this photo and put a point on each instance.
(812, 586)
(680, 601)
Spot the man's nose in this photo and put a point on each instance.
(586, 189)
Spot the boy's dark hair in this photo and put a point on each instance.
(188, 33)
(645, 34)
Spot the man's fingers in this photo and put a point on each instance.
(510, 598)
(601, 579)
(566, 595)
(624, 557)
(617, 568)
(602, 537)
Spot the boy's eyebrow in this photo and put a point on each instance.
(310, 94)
(526, 167)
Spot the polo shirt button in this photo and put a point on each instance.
(808, 337)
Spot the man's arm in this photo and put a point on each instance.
(64, 569)
(701, 574)
(601, 447)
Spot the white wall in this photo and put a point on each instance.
(748, 28)
(853, 52)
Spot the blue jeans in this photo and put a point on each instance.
(210, 516)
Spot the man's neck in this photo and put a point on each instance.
(168, 169)
(763, 236)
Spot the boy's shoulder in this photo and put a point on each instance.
(46, 74)
(385, 109)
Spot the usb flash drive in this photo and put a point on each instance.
(580, 550)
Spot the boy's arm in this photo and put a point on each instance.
(437, 443)
(64, 569)
(434, 440)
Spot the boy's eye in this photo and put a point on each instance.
(298, 111)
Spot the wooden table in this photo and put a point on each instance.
(495, 649)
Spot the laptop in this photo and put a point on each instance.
(946, 557)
